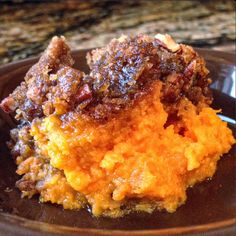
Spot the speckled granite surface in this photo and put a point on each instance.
(25, 28)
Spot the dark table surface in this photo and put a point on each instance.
(27, 26)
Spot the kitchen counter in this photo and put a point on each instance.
(26, 28)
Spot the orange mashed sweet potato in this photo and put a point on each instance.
(133, 156)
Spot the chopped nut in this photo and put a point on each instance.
(168, 42)
(84, 93)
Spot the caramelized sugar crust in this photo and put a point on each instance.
(119, 73)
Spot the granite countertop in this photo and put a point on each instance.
(26, 28)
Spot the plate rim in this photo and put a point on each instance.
(228, 57)
(229, 224)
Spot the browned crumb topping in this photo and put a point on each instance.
(120, 72)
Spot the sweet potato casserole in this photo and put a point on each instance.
(132, 135)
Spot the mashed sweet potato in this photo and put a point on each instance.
(137, 150)
(134, 156)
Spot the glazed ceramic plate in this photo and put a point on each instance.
(210, 206)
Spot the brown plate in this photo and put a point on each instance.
(210, 207)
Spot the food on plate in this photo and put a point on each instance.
(131, 135)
